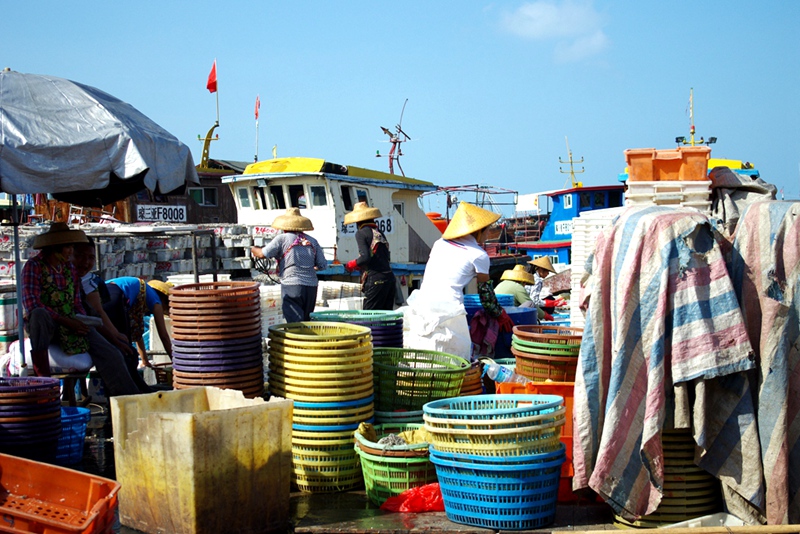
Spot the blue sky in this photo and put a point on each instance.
(493, 88)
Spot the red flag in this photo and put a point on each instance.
(212, 79)
(258, 105)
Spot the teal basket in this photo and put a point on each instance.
(73, 434)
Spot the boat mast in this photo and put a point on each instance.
(692, 141)
(207, 145)
(396, 140)
(571, 170)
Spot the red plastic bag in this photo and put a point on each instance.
(427, 498)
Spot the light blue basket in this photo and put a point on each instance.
(473, 300)
(494, 493)
(73, 434)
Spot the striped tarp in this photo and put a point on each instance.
(662, 311)
(765, 268)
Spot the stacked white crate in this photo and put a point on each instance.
(585, 230)
(329, 290)
(271, 310)
(261, 235)
(239, 241)
(684, 193)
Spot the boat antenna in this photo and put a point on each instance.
(692, 141)
(572, 172)
(396, 140)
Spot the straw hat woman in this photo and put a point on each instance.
(377, 278)
(299, 257)
(52, 302)
(542, 267)
(455, 260)
(513, 282)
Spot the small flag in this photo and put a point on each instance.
(212, 79)
(258, 105)
(274, 151)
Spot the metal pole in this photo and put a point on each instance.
(194, 258)
(18, 276)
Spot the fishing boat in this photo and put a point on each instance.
(324, 192)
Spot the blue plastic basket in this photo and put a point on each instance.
(472, 300)
(488, 493)
(73, 434)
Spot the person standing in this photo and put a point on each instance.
(52, 303)
(455, 260)
(377, 278)
(542, 267)
(299, 257)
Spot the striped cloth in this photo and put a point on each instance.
(662, 311)
(765, 269)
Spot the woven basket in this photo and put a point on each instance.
(408, 378)
(557, 335)
(543, 368)
(387, 476)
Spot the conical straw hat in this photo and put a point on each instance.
(59, 234)
(543, 262)
(518, 274)
(361, 212)
(161, 287)
(467, 219)
(292, 221)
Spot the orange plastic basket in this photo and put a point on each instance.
(39, 497)
(541, 368)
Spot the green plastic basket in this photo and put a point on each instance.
(387, 476)
(405, 379)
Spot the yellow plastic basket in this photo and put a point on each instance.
(319, 331)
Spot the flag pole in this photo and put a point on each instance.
(258, 105)
(217, 91)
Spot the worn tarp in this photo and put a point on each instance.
(58, 136)
(765, 268)
(731, 192)
(662, 311)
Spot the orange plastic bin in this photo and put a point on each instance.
(679, 164)
(39, 497)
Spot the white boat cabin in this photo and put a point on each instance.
(324, 192)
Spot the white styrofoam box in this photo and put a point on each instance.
(225, 252)
(110, 272)
(135, 256)
(166, 254)
(347, 303)
(204, 264)
(203, 241)
(239, 241)
(169, 266)
(260, 240)
(148, 269)
(237, 263)
(181, 279)
(157, 243)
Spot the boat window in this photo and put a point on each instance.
(568, 201)
(244, 197)
(204, 196)
(346, 198)
(318, 195)
(554, 259)
(351, 195)
(586, 200)
(399, 207)
(298, 195)
(599, 200)
(276, 197)
(258, 198)
(614, 199)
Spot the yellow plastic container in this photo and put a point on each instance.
(683, 163)
(203, 460)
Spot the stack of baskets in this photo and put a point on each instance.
(498, 458)
(74, 420)
(389, 470)
(472, 303)
(216, 330)
(386, 326)
(405, 379)
(689, 491)
(326, 368)
(472, 384)
(30, 417)
(546, 352)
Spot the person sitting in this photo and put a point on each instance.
(377, 278)
(130, 300)
(52, 304)
(95, 295)
(511, 283)
(299, 257)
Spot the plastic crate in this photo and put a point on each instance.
(682, 163)
(38, 497)
(73, 434)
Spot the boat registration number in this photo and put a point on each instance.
(156, 213)
(385, 225)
